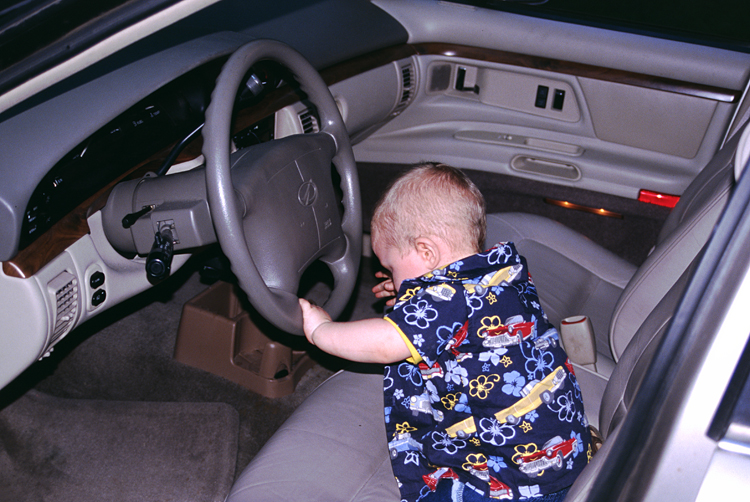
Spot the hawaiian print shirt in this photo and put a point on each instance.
(488, 398)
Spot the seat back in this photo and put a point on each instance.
(693, 220)
(628, 374)
(683, 235)
(626, 379)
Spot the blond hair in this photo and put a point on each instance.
(431, 199)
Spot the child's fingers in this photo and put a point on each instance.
(379, 291)
(384, 289)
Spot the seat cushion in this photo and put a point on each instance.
(333, 448)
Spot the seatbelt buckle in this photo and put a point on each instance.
(577, 335)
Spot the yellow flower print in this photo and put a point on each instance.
(481, 386)
(522, 450)
(525, 426)
(506, 361)
(491, 298)
(488, 323)
(409, 293)
(450, 400)
(474, 460)
(405, 427)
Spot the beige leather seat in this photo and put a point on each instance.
(333, 448)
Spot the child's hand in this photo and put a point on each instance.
(385, 289)
(312, 317)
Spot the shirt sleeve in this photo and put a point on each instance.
(416, 357)
(428, 318)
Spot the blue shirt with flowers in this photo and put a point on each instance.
(488, 401)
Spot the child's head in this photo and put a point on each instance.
(432, 201)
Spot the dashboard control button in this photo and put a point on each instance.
(96, 280)
(98, 297)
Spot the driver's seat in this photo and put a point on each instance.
(334, 447)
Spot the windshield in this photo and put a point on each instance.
(38, 34)
(718, 23)
(27, 26)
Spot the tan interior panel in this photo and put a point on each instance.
(658, 121)
(521, 92)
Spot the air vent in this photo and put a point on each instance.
(64, 291)
(408, 87)
(309, 122)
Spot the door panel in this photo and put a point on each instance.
(657, 121)
(564, 104)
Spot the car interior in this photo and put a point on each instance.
(178, 173)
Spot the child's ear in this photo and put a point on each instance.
(429, 252)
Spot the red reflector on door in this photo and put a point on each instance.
(660, 199)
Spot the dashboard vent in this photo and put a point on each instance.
(408, 87)
(309, 121)
(64, 291)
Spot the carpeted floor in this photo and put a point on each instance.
(82, 449)
(131, 409)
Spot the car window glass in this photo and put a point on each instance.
(720, 23)
(30, 25)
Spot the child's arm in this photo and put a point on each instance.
(366, 341)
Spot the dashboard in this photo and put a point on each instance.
(169, 118)
(60, 269)
(133, 113)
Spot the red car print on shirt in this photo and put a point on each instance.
(513, 332)
(554, 452)
(457, 340)
(498, 489)
(430, 371)
(432, 479)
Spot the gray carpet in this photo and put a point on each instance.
(75, 449)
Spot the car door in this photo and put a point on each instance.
(562, 115)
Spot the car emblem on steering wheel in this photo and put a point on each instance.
(307, 193)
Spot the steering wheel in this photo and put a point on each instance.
(273, 205)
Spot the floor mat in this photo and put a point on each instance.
(84, 450)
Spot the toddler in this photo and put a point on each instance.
(481, 402)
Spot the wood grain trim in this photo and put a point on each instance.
(73, 226)
(580, 70)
